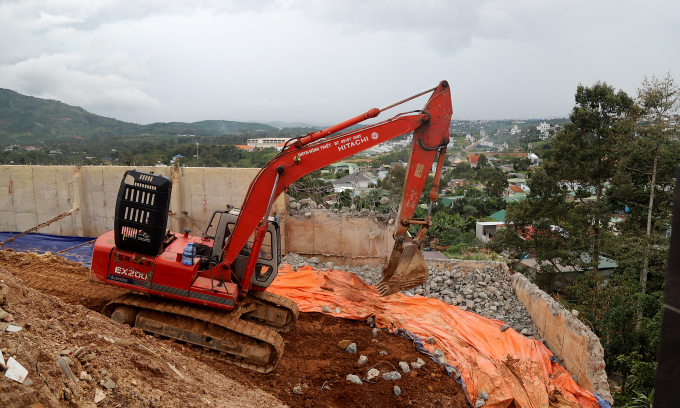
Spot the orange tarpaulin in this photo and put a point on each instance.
(511, 368)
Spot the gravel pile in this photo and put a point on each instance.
(485, 291)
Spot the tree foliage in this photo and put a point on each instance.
(616, 153)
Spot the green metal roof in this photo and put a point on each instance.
(499, 216)
(448, 200)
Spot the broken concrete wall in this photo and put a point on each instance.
(341, 238)
(566, 336)
(36, 194)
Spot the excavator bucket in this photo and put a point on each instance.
(405, 270)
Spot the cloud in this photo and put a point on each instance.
(303, 60)
(60, 76)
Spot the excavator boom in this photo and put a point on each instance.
(430, 128)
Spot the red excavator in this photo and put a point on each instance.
(211, 290)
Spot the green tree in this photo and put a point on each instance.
(658, 98)
(394, 181)
(583, 152)
(311, 186)
(482, 162)
(494, 180)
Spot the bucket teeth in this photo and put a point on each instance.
(405, 270)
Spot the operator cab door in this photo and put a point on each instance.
(267, 267)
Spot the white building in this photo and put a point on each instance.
(533, 158)
(543, 127)
(515, 130)
(266, 142)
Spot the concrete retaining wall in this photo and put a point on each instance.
(339, 238)
(566, 336)
(35, 194)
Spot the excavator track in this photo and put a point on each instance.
(269, 309)
(242, 342)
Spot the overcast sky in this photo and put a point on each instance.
(325, 61)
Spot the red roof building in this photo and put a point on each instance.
(473, 160)
(245, 147)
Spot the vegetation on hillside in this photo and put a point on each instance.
(619, 153)
(26, 119)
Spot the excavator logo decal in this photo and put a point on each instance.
(374, 135)
(129, 276)
(348, 142)
(129, 273)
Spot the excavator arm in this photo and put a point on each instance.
(311, 152)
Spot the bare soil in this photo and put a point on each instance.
(141, 366)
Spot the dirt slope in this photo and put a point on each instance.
(137, 364)
(312, 358)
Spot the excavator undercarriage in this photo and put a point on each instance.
(248, 336)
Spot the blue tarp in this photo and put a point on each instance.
(41, 243)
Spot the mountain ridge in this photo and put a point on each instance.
(27, 118)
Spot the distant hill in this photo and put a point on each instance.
(280, 124)
(26, 118)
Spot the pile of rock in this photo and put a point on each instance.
(304, 204)
(485, 291)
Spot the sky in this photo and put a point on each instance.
(322, 62)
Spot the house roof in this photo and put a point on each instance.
(344, 165)
(605, 263)
(499, 216)
(350, 179)
(448, 200)
(516, 189)
(245, 147)
(473, 159)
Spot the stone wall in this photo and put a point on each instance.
(566, 336)
(35, 194)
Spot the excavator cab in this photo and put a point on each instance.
(219, 229)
